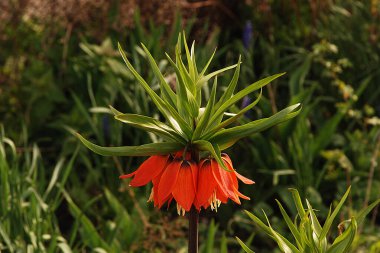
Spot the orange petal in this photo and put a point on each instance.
(206, 184)
(241, 195)
(218, 179)
(149, 169)
(156, 182)
(221, 196)
(244, 179)
(168, 181)
(227, 183)
(184, 191)
(194, 172)
(127, 175)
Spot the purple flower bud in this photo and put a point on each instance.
(246, 101)
(247, 34)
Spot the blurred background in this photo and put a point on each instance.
(60, 69)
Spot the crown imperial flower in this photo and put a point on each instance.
(187, 165)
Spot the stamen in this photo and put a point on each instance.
(180, 210)
(214, 202)
(151, 196)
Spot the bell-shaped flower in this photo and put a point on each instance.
(216, 185)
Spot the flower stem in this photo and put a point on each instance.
(193, 230)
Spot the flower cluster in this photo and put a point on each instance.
(177, 176)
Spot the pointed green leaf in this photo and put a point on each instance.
(298, 203)
(234, 118)
(330, 219)
(166, 109)
(207, 64)
(204, 120)
(182, 99)
(231, 86)
(343, 242)
(317, 228)
(204, 79)
(365, 211)
(241, 94)
(165, 87)
(143, 150)
(281, 241)
(192, 69)
(151, 125)
(114, 111)
(245, 247)
(235, 133)
(291, 226)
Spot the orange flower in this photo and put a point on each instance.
(172, 178)
(148, 170)
(216, 185)
(180, 178)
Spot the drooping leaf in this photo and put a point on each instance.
(151, 125)
(143, 150)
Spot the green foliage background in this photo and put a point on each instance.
(55, 195)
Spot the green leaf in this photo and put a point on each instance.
(207, 64)
(245, 247)
(114, 111)
(210, 237)
(166, 109)
(298, 203)
(241, 94)
(284, 244)
(92, 237)
(204, 120)
(190, 62)
(204, 145)
(151, 125)
(165, 87)
(231, 135)
(343, 242)
(365, 211)
(204, 79)
(330, 219)
(143, 150)
(232, 119)
(231, 86)
(182, 98)
(291, 226)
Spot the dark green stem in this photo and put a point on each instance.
(193, 230)
(193, 217)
